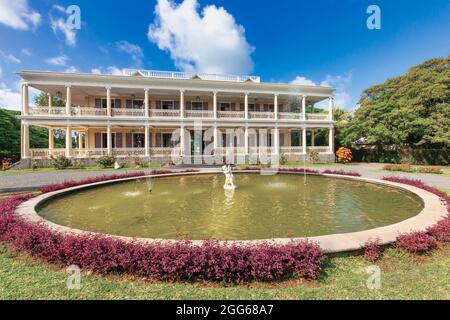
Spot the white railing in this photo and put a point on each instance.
(128, 152)
(46, 153)
(289, 116)
(164, 113)
(231, 114)
(128, 112)
(199, 114)
(190, 75)
(261, 115)
(89, 152)
(161, 151)
(44, 111)
(291, 150)
(320, 149)
(91, 112)
(317, 116)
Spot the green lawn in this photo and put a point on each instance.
(402, 277)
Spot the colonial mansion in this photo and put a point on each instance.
(155, 115)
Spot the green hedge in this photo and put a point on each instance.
(412, 156)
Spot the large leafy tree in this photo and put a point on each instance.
(410, 110)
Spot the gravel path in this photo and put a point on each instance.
(10, 182)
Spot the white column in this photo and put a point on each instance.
(108, 102)
(246, 105)
(275, 106)
(330, 108)
(86, 139)
(68, 100)
(331, 140)
(109, 140)
(25, 141)
(313, 133)
(146, 104)
(69, 141)
(182, 141)
(147, 141)
(181, 104)
(246, 141)
(25, 100)
(80, 142)
(49, 103)
(215, 137)
(304, 140)
(276, 138)
(51, 139)
(304, 108)
(215, 104)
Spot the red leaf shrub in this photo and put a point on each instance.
(416, 242)
(372, 250)
(294, 170)
(342, 172)
(73, 183)
(441, 230)
(175, 261)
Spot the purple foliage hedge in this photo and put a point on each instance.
(72, 183)
(342, 172)
(294, 170)
(419, 242)
(372, 250)
(416, 242)
(176, 261)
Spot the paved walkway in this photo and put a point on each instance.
(10, 182)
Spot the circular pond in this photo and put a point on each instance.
(262, 207)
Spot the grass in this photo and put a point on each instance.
(85, 169)
(402, 277)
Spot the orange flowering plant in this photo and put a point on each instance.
(344, 155)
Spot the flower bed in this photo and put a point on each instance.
(419, 242)
(294, 170)
(342, 172)
(72, 183)
(410, 168)
(176, 261)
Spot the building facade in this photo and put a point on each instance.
(167, 116)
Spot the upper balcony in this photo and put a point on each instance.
(202, 96)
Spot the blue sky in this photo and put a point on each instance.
(321, 41)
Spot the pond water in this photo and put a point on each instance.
(262, 207)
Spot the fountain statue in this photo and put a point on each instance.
(229, 184)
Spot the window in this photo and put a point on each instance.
(167, 105)
(138, 140)
(225, 106)
(295, 138)
(135, 104)
(167, 140)
(105, 103)
(251, 107)
(197, 105)
(105, 140)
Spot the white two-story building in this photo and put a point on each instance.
(157, 114)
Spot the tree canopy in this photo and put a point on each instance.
(412, 109)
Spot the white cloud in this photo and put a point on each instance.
(10, 58)
(18, 15)
(1, 72)
(136, 53)
(26, 52)
(302, 81)
(59, 8)
(60, 60)
(72, 69)
(9, 99)
(109, 70)
(96, 71)
(59, 26)
(210, 41)
(340, 83)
